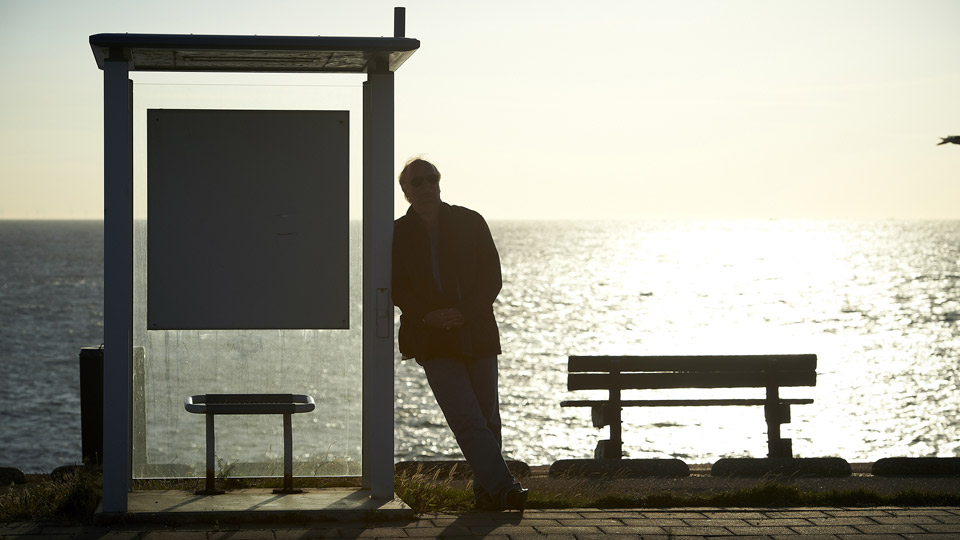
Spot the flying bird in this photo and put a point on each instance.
(955, 139)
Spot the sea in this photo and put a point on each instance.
(878, 302)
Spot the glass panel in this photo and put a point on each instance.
(171, 365)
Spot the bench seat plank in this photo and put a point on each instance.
(786, 362)
(249, 404)
(680, 402)
(703, 379)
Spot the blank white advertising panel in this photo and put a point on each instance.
(247, 219)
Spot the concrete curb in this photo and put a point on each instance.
(794, 467)
(619, 468)
(926, 466)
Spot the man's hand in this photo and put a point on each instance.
(447, 318)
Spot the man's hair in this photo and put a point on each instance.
(417, 159)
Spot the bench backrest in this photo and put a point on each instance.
(654, 372)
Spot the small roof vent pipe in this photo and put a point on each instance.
(399, 22)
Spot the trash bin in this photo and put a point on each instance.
(91, 404)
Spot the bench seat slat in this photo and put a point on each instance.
(787, 362)
(251, 398)
(255, 408)
(249, 404)
(641, 381)
(680, 402)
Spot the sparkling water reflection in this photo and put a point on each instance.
(878, 302)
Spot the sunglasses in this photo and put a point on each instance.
(416, 181)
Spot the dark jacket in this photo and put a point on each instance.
(470, 277)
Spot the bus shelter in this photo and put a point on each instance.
(244, 249)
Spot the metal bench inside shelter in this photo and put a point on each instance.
(285, 404)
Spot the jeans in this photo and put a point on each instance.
(466, 390)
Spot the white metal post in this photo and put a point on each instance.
(118, 280)
(378, 369)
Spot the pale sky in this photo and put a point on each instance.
(549, 110)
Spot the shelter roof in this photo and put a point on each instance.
(189, 52)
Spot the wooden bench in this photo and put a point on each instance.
(285, 404)
(618, 373)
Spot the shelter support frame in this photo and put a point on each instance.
(378, 141)
(117, 56)
(118, 282)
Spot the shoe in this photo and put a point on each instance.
(516, 499)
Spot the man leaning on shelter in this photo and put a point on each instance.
(446, 277)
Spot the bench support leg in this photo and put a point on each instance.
(775, 415)
(210, 487)
(610, 414)
(287, 457)
(608, 449)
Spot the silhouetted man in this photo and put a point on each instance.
(446, 277)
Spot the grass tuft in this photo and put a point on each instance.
(74, 497)
(430, 493)
(923, 498)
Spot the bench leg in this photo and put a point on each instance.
(608, 415)
(608, 449)
(287, 457)
(210, 487)
(775, 415)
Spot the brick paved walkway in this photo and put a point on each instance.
(680, 524)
